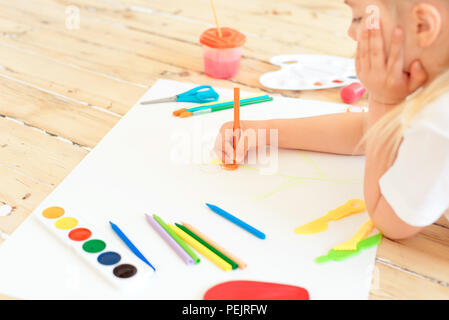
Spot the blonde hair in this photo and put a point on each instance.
(387, 133)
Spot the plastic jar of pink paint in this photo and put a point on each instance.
(222, 54)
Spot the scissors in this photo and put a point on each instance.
(201, 94)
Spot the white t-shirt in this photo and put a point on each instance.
(417, 184)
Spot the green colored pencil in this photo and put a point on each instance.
(225, 107)
(219, 108)
(207, 245)
(177, 238)
(225, 103)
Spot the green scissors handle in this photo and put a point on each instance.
(200, 94)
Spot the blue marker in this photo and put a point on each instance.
(129, 244)
(237, 221)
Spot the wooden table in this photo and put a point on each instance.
(62, 88)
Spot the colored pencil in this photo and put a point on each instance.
(236, 221)
(233, 264)
(241, 264)
(220, 108)
(170, 241)
(211, 104)
(129, 244)
(226, 103)
(175, 236)
(202, 249)
(219, 104)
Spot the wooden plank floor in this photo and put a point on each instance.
(61, 90)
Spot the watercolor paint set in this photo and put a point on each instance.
(119, 268)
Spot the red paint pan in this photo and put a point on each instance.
(255, 290)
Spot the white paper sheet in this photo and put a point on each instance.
(132, 172)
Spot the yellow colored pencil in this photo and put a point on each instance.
(242, 265)
(202, 249)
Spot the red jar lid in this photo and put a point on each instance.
(230, 38)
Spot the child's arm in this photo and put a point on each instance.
(381, 213)
(334, 133)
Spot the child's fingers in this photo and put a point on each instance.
(365, 64)
(358, 68)
(223, 137)
(396, 74)
(228, 153)
(418, 76)
(377, 51)
(241, 150)
(396, 56)
(219, 143)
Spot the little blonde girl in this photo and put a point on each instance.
(404, 64)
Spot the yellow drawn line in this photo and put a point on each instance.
(294, 180)
(312, 163)
(345, 181)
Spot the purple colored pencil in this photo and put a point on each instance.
(170, 241)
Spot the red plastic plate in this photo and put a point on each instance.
(255, 290)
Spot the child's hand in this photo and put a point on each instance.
(384, 77)
(224, 146)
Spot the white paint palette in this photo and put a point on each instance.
(309, 72)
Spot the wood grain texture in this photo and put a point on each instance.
(56, 115)
(36, 154)
(23, 194)
(393, 283)
(62, 90)
(427, 253)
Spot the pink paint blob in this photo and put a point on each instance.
(352, 93)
